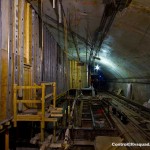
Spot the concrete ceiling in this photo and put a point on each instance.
(125, 51)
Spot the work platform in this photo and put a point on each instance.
(42, 114)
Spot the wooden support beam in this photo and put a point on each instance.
(29, 101)
(15, 105)
(7, 139)
(56, 115)
(54, 94)
(51, 120)
(27, 31)
(28, 87)
(43, 112)
(28, 117)
(49, 95)
(55, 111)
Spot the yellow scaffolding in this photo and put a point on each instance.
(42, 115)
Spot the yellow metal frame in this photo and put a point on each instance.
(42, 116)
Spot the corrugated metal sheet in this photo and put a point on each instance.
(54, 63)
(12, 56)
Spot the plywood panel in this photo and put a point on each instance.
(4, 85)
(78, 75)
(27, 80)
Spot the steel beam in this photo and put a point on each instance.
(40, 10)
(15, 41)
(37, 59)
(21, 43)
(21, 47)
(10, 60)
(33, 47)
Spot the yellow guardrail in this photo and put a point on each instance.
(40, 116)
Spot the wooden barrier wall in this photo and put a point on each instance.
(78, 75)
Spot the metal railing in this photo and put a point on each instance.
(40, 116)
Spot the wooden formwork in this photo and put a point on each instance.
(78, 75)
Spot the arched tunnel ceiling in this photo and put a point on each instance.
(125, 51)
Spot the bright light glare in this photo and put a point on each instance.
(112, 66)
(97, 67)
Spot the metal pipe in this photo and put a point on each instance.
(43, 112)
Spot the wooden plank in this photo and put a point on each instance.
(31, 111)
(27, 30)
(7, 139)
(55, 111)
(49, 84)
(28, 87)
(29, 118)
(4, 84)
(51, 120)
(49, 95)
(57, 108)
(29, 101)
(56, 115)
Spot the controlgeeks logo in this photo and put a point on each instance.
(131, 144)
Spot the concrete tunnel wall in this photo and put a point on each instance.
(126, 50)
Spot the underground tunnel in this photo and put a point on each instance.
(74, 74)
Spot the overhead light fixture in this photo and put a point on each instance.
(97, 67)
